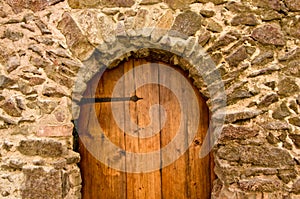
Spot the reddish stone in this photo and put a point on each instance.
(239, 132)
(55, 131)
(269, 34)
(34, 5)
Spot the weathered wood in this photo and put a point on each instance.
(188, 177)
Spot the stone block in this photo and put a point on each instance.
(269, 34)
(44, 148)
(231, 132)
(55, 130)
(260, 184)
(187, 23)
(287, 87)
(78, 43)
(41, 184)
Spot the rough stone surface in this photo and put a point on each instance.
(55, 131)
(281, 112)
(235, 116)
(268, 100)
(178, 4)
(256, 155)
(260, 184)
(187, 23)
(277, 125)
(42, 184)
(77, 42)
(268, 4)
(237, 132)
(269, 34)
(99, 3)
(244, 19)
(287, 87)
(293, 5)
(295, 121)
(237, 57)
(44, 148)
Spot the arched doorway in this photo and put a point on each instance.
(189, 177)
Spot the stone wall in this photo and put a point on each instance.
(45, 44)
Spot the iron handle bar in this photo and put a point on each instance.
(109, 99)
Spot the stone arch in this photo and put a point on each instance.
(171, 47)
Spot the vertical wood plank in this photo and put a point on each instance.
(199, 169)
(174, 178)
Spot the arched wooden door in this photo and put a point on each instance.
(189, 177)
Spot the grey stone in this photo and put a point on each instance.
(42, 184)
(281, 112)
(269, 34)
(260, 184)
(287, 87)
(187, 23)
(244, 19)
(268, 100)
(44, 148)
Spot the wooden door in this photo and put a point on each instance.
(189, 177)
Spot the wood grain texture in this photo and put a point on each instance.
(188, 177)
